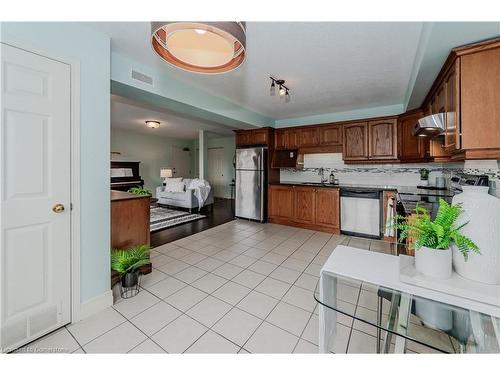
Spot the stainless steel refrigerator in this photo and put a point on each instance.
(251, 182)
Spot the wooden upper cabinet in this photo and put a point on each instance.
(452, 110)
(293, 139)
(243, 137)
(440, 99)
(281, 202)
(330, 135)
(286, 139)
(308, 137)
(355, 143)
(304, 206)
(411, 148)
(260, 137)
(480, 100)
(281, 139)
(253, 137)
(327, 208)
(383, 139)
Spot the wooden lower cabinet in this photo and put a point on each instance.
(280, 200)
(305, 207)
(327, 208)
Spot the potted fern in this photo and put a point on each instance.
(433, 239)
(127, 264)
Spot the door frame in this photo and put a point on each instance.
(75, 225)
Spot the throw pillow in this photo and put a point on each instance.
(174, 185)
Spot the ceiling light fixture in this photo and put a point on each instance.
(283, 91)
(153, 124)
(200, 47)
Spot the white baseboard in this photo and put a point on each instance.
(94, 305)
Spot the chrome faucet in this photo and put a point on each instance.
(321, 172)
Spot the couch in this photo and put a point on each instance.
(185, 199)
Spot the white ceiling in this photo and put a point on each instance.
(329, 67)
(129, 115)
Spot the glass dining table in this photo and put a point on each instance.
(361, 288)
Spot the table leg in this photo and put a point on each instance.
(391, 322)
(327, 316)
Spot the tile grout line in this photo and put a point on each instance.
(227, 280)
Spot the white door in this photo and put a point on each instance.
(181, 162)
(216, 171)
(35, 178)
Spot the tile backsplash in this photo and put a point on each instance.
(382, 174)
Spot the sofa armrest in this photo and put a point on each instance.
(159, 190)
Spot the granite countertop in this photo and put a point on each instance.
(410, 190)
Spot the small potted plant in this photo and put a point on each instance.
(127, 264)
(433, 238)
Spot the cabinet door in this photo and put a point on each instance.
(330, 135)
(304, 210)
(440, 99)
(243, 137)
(281, 139)
(293, 139)
(480, 100)
(260, 137)
(281, 202)
(452, 120)
(355, 141)
(308, 137)
(327, 207)
(411, 147)
(383, 139)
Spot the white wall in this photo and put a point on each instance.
(369, 174)
(384, 174)
(92, 50)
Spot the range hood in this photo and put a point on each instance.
(431, 126)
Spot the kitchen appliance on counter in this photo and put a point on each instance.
(465, 179)
(251, 181)
(361, 212)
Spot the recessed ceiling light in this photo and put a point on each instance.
(153, 124)
(200, 47)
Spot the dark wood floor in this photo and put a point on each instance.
(223, 211)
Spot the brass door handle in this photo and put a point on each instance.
(58, 208)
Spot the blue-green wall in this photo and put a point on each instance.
(188, 99)
(154, 152)
(92, 50)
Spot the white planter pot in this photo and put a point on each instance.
(482, 212)
(434, 263)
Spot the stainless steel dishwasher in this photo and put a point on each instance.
(361, 212)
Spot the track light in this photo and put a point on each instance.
(283, 91)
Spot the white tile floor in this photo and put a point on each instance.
(239, 287)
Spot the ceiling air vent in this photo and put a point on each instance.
(138, 76)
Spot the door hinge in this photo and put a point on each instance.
(71, 206)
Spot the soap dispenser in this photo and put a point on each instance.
(331, 178)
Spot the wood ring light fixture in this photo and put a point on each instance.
(200, 47)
